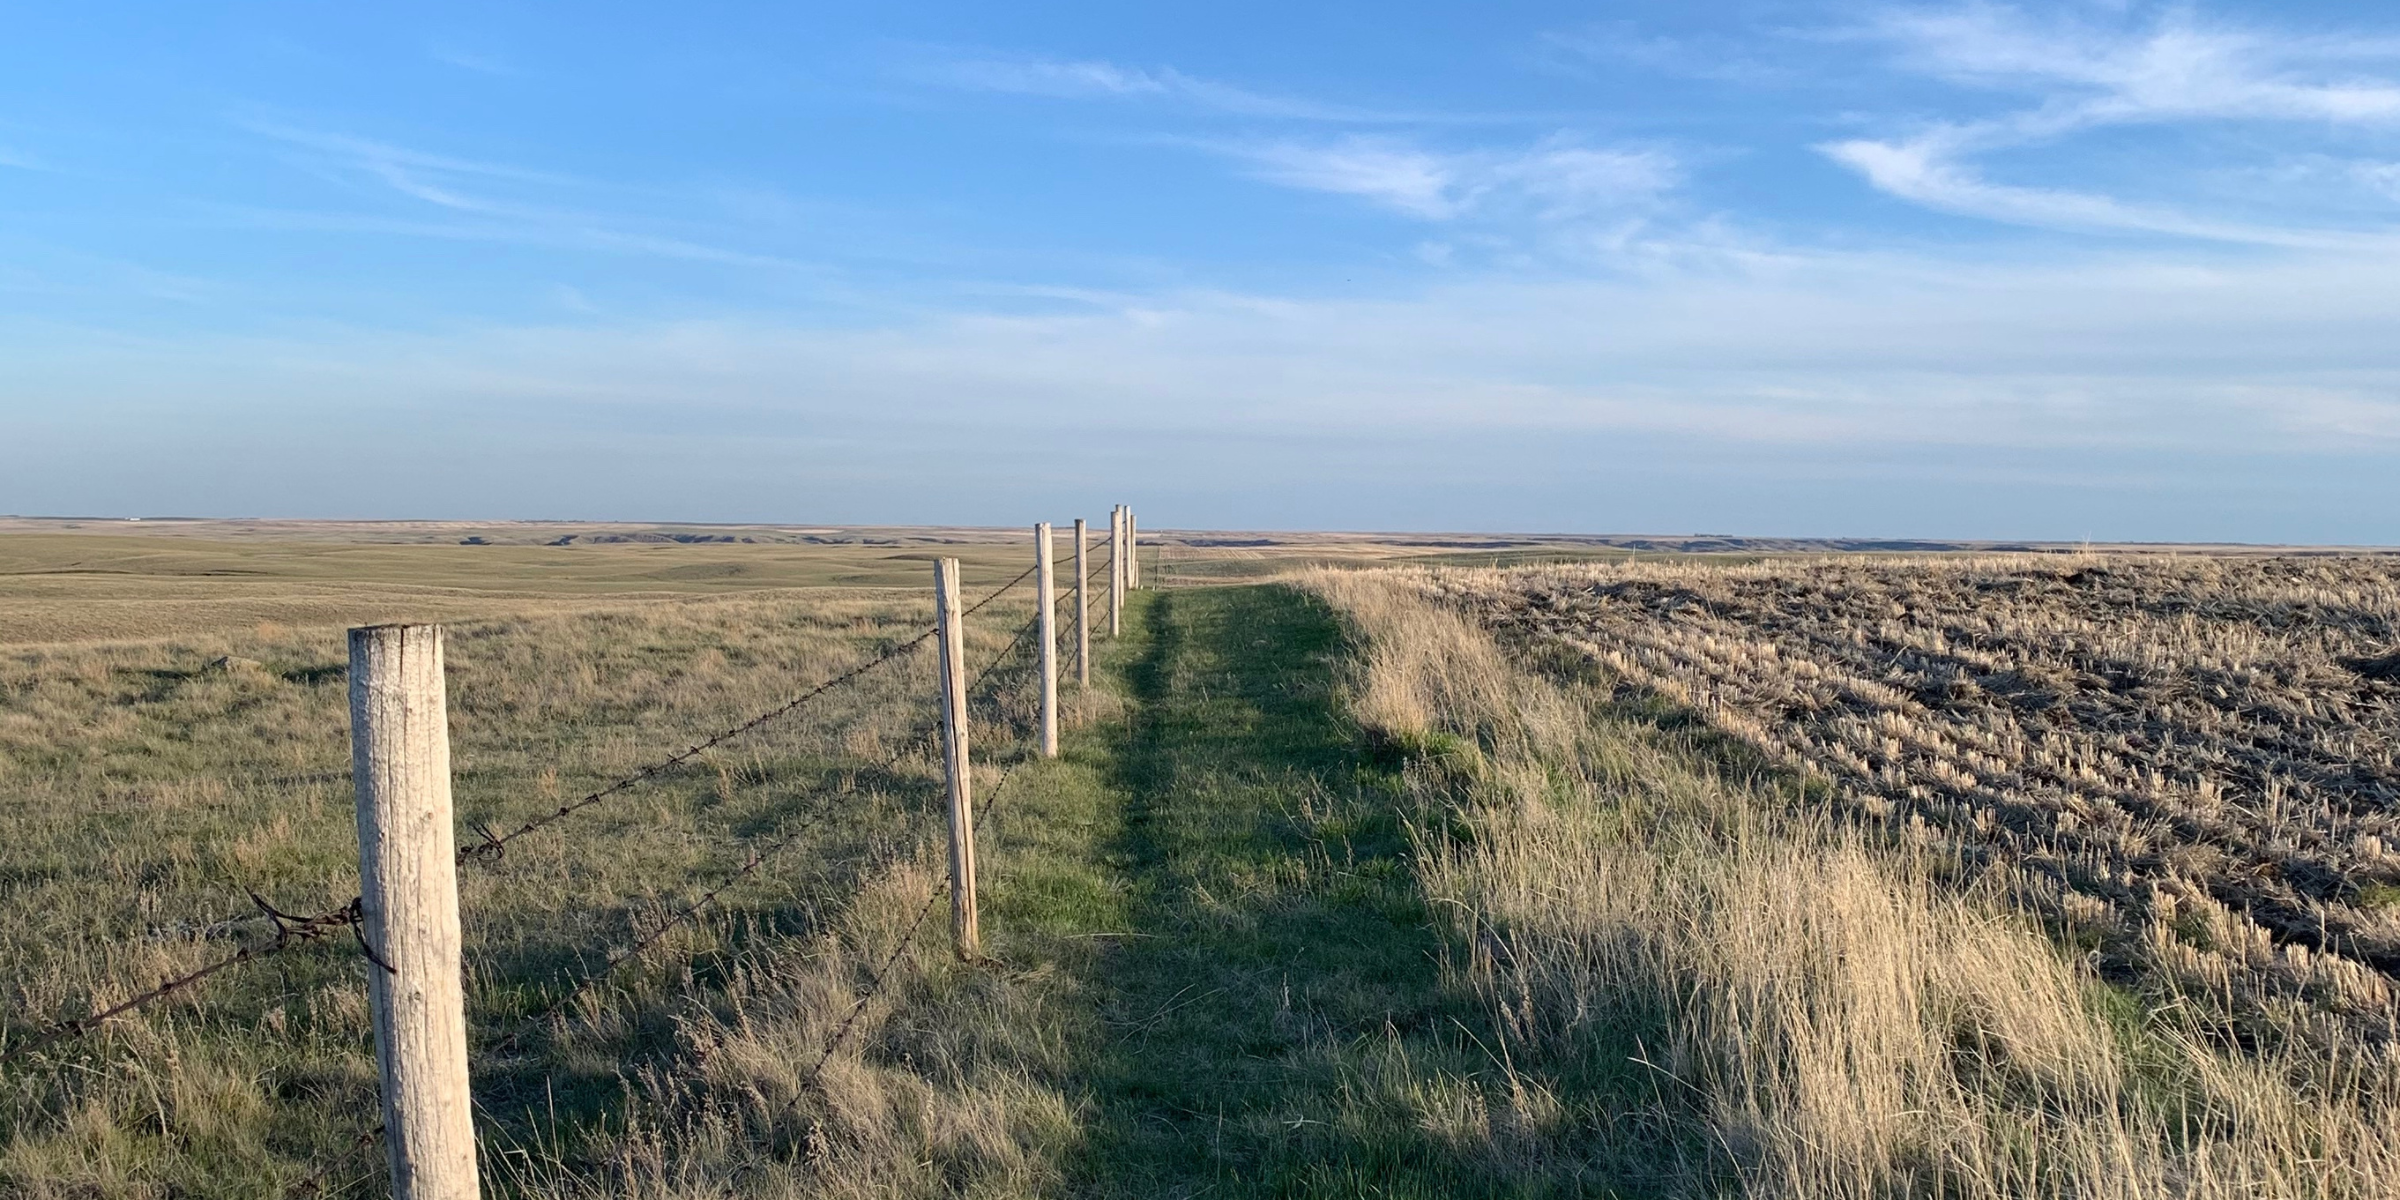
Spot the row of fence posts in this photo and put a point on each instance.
(408, 877)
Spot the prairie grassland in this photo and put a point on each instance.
(147, 787)
(1212, 973)
(78, 582)
(1864, 1007)
(89, 587)
(1469, 893)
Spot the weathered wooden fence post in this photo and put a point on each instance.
(1116, 571)
(1133, 554)
(1083, 605)
(1045, 596)
(950, 635)
(408, 891)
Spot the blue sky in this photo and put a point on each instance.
(2105, 270)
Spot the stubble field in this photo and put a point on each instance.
(2187, 764)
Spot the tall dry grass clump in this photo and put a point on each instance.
(929, 1088)
(1820, 1014)
(2188, 762)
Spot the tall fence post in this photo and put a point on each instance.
(1083, 606)
(951, 637)
(408, 876)
(1133, 553)
(1116, 571)
(1045, 595)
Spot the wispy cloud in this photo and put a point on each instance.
(1844, 351)
(1048, 77)
(21, 162)
(572, 299)
(2171, 67)
(55, 271)
(552, 229)
(2077, 74)
(1924, 173)
(1392, 174)
(468, 60)
(2382, 178)
(1556, 180)
(1585, 399)
(1624, 44)
(392, 161)
(470, 188)
(1560, 179)
(1091, 79)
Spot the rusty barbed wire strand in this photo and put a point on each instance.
(757, 858)
(877, 978)
(495, 846)
(293, 931)
(923, 734)
(315, 1181)
(514, 1039)
(1002, 590)
(342, 775)
(290, 932)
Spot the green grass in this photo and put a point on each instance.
(1252, 1001)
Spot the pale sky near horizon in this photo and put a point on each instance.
(2109, 270)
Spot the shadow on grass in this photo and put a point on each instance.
(567, 1099)
(1275, 1019)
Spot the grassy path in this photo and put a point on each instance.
(1252, 1003)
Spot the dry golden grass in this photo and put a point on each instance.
(1827, 1003)
(1666, 966)
(945, 1078)
(2190, 763)
(81, 588)
(86, 580)
(931, 1091)
(146, 786)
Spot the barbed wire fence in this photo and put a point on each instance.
(758, 854)
(418, 1165)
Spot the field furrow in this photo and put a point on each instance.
(2187, 762)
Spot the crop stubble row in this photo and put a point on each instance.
(2188, 761)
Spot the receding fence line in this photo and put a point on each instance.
(755, 859)
(407, 915)
(291, 932)
(923, 735)
(877, 977)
